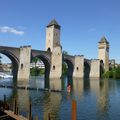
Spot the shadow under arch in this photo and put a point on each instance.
(86, 69)
(47, 69)
(70, 67)
(101, 68)
(15, 62)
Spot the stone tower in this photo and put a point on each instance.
(103, 52)
(53, 46)
(52, 35)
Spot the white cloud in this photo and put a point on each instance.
(6, 29)
(92, 30)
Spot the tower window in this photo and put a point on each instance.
(53, 67)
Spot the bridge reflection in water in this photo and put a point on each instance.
(95, 99)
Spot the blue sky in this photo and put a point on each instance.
(83, 23)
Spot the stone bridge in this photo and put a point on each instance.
(52, 57)
(78, 66)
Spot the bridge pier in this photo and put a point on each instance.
(78, 67)
(56, 63)
(24, 63)
(95, 68)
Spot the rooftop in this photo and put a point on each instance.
(54, 22)
(103, 40)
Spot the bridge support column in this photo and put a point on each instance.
(79, 67)
(24, 66)
(56, 63)
(95, 69)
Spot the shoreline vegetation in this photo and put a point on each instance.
(112, 73)
(37, 71)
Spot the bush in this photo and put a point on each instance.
(106, 74)
(113, 73)
(36, 71)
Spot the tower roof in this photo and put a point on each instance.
(103, 40)
(54, 22)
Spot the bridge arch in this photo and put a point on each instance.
(46, 62)
(14, 60)
(70, 66)
(101, 68)
(86, 69)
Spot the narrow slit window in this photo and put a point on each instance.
(22, 66)
(77, 68)
(53, 67)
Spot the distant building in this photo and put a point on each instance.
(6, 67)
(112, 63)
(39, 64)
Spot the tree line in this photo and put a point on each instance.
(112, 73)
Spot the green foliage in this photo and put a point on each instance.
(0, 59)
(65, 53)
(117, 72)
(113, 73)
(35, 59)
(64, 65)
(37, 71)
(64, 69)
(106, 75)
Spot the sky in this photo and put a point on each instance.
(83, 23)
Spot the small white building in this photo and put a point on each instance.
(39, 64)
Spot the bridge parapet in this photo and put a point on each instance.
(40, 52)
(87, 60)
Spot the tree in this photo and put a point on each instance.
(35, 60)
(65, 52)
(0, 59)
(64, 65)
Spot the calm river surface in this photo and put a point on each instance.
(96, 99)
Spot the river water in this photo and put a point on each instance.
(96, 99)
